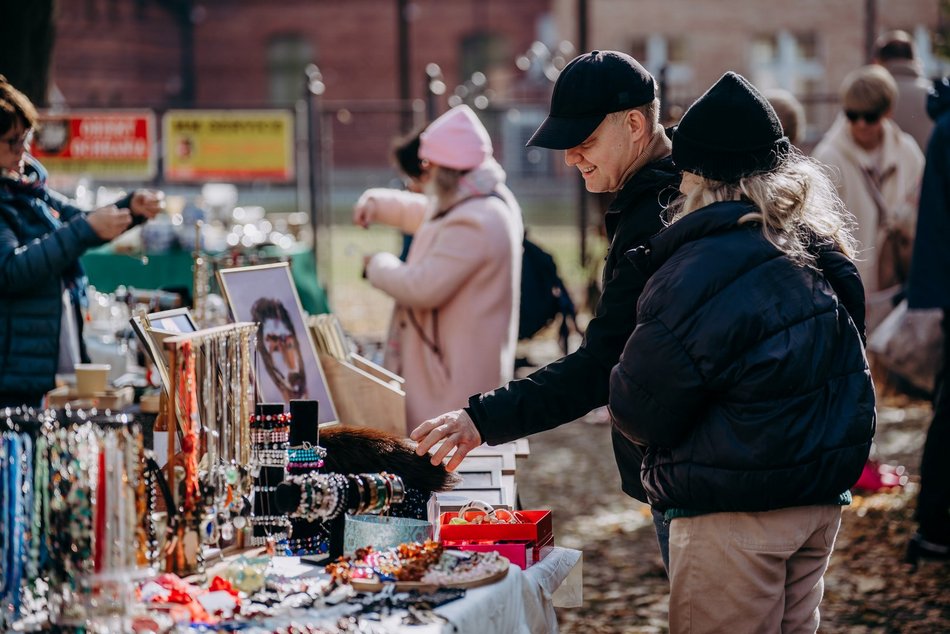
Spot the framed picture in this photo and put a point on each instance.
(152, 329)
(287, 363)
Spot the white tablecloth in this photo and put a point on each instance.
(519, 603)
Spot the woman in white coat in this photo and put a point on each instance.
(877, 169)
(455, 324)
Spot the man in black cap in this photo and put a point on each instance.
(605, 116)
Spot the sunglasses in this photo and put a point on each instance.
(20, 141)
(870, 117)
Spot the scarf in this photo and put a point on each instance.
(29, 190)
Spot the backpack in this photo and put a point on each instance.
(543, 295)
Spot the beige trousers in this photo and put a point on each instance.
(750, 572)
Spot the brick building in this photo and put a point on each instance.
(804, 46)
(251, 53)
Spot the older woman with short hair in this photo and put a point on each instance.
(877, 169)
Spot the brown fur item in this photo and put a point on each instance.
(363, 450)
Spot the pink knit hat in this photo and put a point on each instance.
(457, 140)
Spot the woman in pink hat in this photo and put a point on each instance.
(455, 324)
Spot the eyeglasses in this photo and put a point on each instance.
(870, 117)
(19, 142)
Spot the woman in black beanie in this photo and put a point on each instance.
(745, 377)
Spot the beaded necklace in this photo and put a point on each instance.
(17, 463)
(38, 551)
(25, 487)
(7, 530)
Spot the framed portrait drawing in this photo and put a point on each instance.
(152, 329)
(287, 363)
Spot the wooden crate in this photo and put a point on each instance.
(365, 395)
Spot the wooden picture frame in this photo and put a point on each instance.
(156, 328)
(287, 364)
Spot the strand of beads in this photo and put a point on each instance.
(305, 458)
(269, 421)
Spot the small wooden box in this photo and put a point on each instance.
(365, 395)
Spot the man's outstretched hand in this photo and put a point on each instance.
(456, 431)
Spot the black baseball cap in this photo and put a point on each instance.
(589, 88)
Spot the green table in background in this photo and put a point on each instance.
(107, 270)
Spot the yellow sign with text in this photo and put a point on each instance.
(228, 145)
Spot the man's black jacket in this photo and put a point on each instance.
(578, 383)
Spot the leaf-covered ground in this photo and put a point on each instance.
(868, 587)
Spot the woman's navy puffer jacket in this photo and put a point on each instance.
(745, 377)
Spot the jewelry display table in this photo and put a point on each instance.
(521, 603)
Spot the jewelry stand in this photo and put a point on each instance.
(183, 419)
(311, 540)
(269, 525)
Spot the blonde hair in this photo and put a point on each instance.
(796, 203)
(869, 88)
(443, 185)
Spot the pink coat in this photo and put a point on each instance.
(455, 324)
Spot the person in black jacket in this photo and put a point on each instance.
(745, 378)
(605, 116)
(42, 236)
(929, 287)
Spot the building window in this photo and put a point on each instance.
(792, 62)
(667, 59)
(517, 126)
(482, 53)
(287, 57)
(786, 60)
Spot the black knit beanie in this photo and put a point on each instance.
(730, 132)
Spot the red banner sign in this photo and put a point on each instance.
(103, 145)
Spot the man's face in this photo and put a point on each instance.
(287, 361)
(606, 156)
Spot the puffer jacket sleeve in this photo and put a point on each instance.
(23, 267)
(843, 276)
(69, 211)
(656, 391)
(460, 248)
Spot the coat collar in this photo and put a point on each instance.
(654, 164)
(890, 150)
(714, 218)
